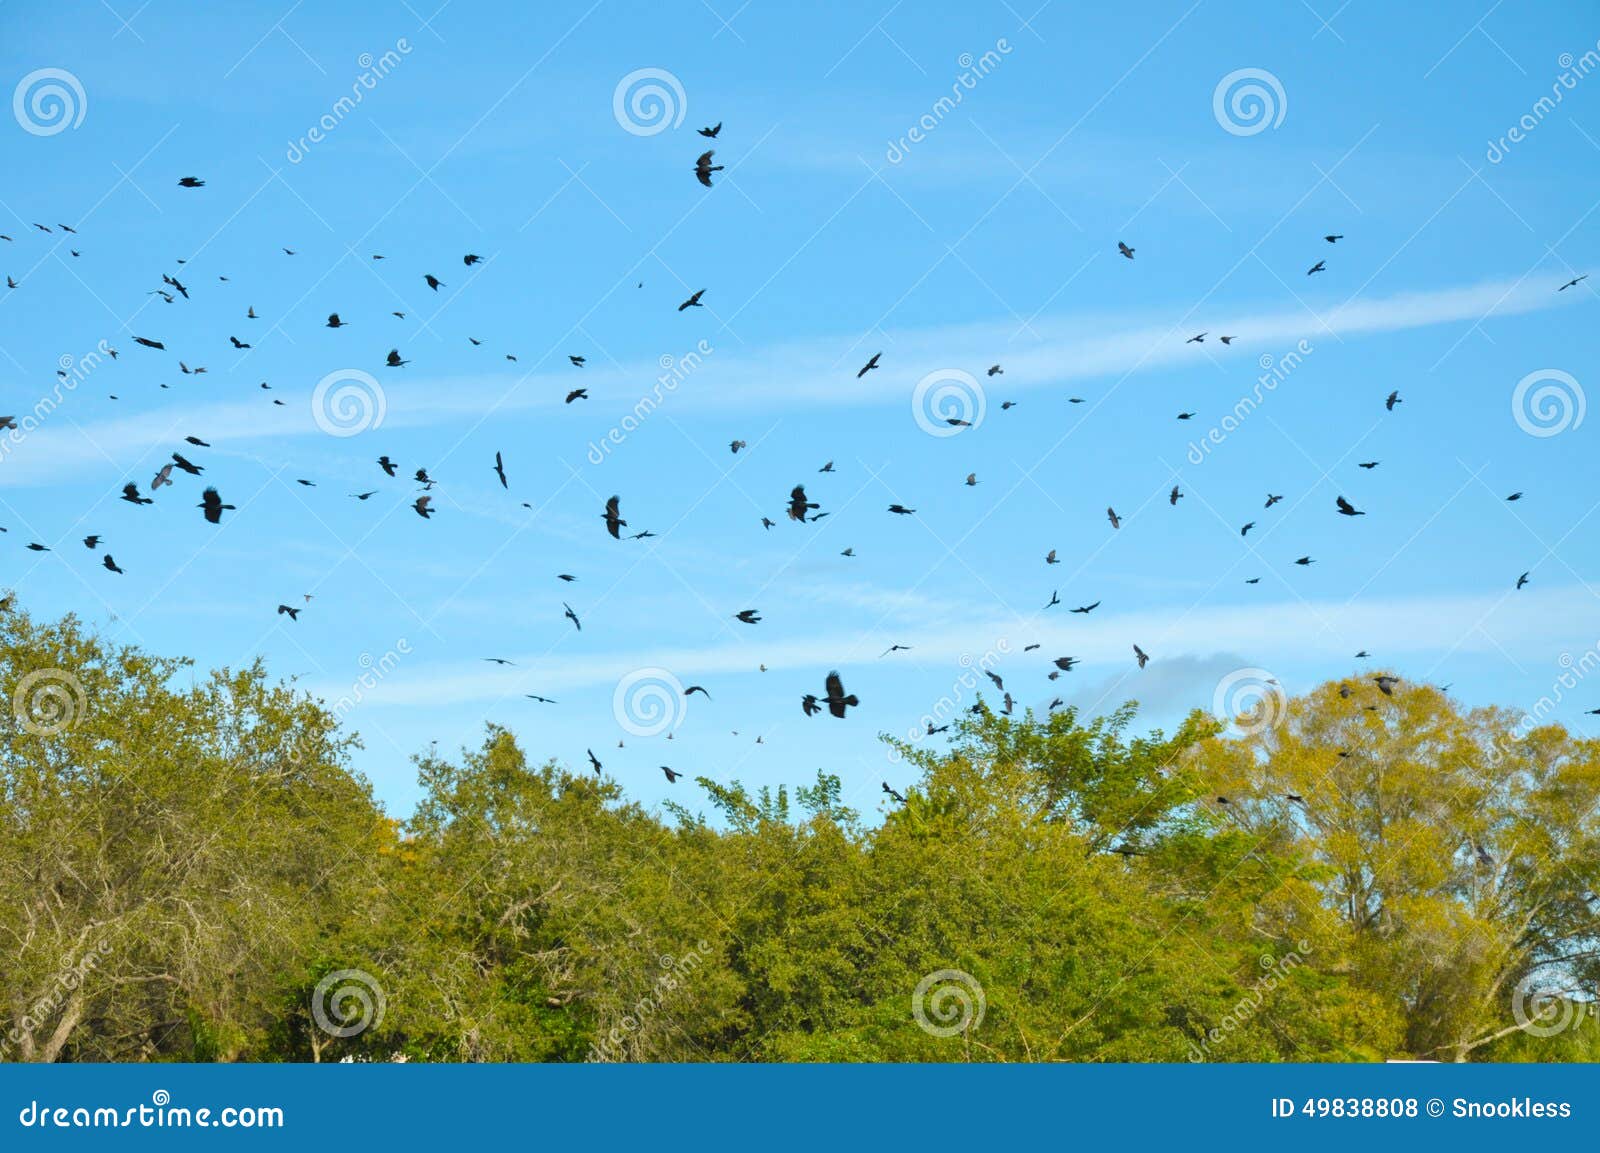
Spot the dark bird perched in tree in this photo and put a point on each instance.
(130, 493)
(894, 796)
(613, 517)
(110, 564)
(748, 616)
(1346, 508)
(211, 502)
(572, 616)
(694, 300)
(703, 168)
(869, 366)
(1125, 250)
(798, 504)
(423, 506)
(837, 701)
(1141, 656)
(711, 133)
(500, 470)
(293, 614)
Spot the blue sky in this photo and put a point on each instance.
(830, 235)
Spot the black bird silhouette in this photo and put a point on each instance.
(500, 470)
(894, 796)
(1065, 663)
(424, 506)
(1319, 266)
(869, 366)
(1054, 600)
(110, 564)
(1250, 525)
(386, 464)
(1346, 508)
(1125, 250)
(364, 495)
(613, 517)
(433, 281)
(1271, 500)
(1369, 464)
(293, 614)
(577, 361)
(798, 504)
(191, 182)
(393, 360)
(1141, 656)
(195, 440)
(1175, 495)
(471, 258)
(149, 343)
(1515, 496)
(703, 168)
(1573, 282)
(38, 548)
(809, 706)
(1393, 399)
(901, 509)
(594, 760)
(711, 133)
(672, 775)
(1087, 608)
(130, 493)
(91, 541)
(211, 502)
(694, 300)
(1197, 338)
(188, 466)
(1050, 557)
(1305, 560)
(692, 689)
(1522, 580)
(1336, 237)
(749, 616)
(421, 477)
(541, 700)
(572, 616)
(335, 322)
(827, 467)
(577, 394)
(1111, 515)
(837, 701)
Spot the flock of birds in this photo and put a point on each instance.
(801, 508)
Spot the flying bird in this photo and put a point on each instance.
(572, 616)
(1346, 508)
(1319, 266)
(1125, 250)
(798, 504)
(191, 182)
(211, 502)
(1392, 400)
(711, 133)
(703, 168)
(837, 701)
(500, 470)
(1141, 656)
(693, 301)
(1575, 280)
(292, 613)
(748, 616)
(869, 366)
(613, 517)
(110, 564)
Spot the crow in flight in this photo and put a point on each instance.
(1319, 266)
(294, 614)
(471, 258)
(869, 366)
(703, 168)
(1334, 238)
(748, 616)
(1125, 250)
(1393, 399)
(110, 564)
(798, 504)
(1522, 580)
(187, 466)
(149, 343)
(672, 775)
(572, 616)
(711, 133)
(130, 493)
(892, 794)
(577, 394)
(433, 281)
(393, 360)
(191, 182)
(837, 701)
(1086, 609)
(500, 470)
(1573, 282)
(1386, 684)
(1111, 515)
(1050, 557)
(692, 689)
(613, 517)
(387, 465)
(693, 301)
(1141, 656)
(1346, 508)
(211, 502)
(594, 760)
(424, 506)
(1271, 500)
(901, 510)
